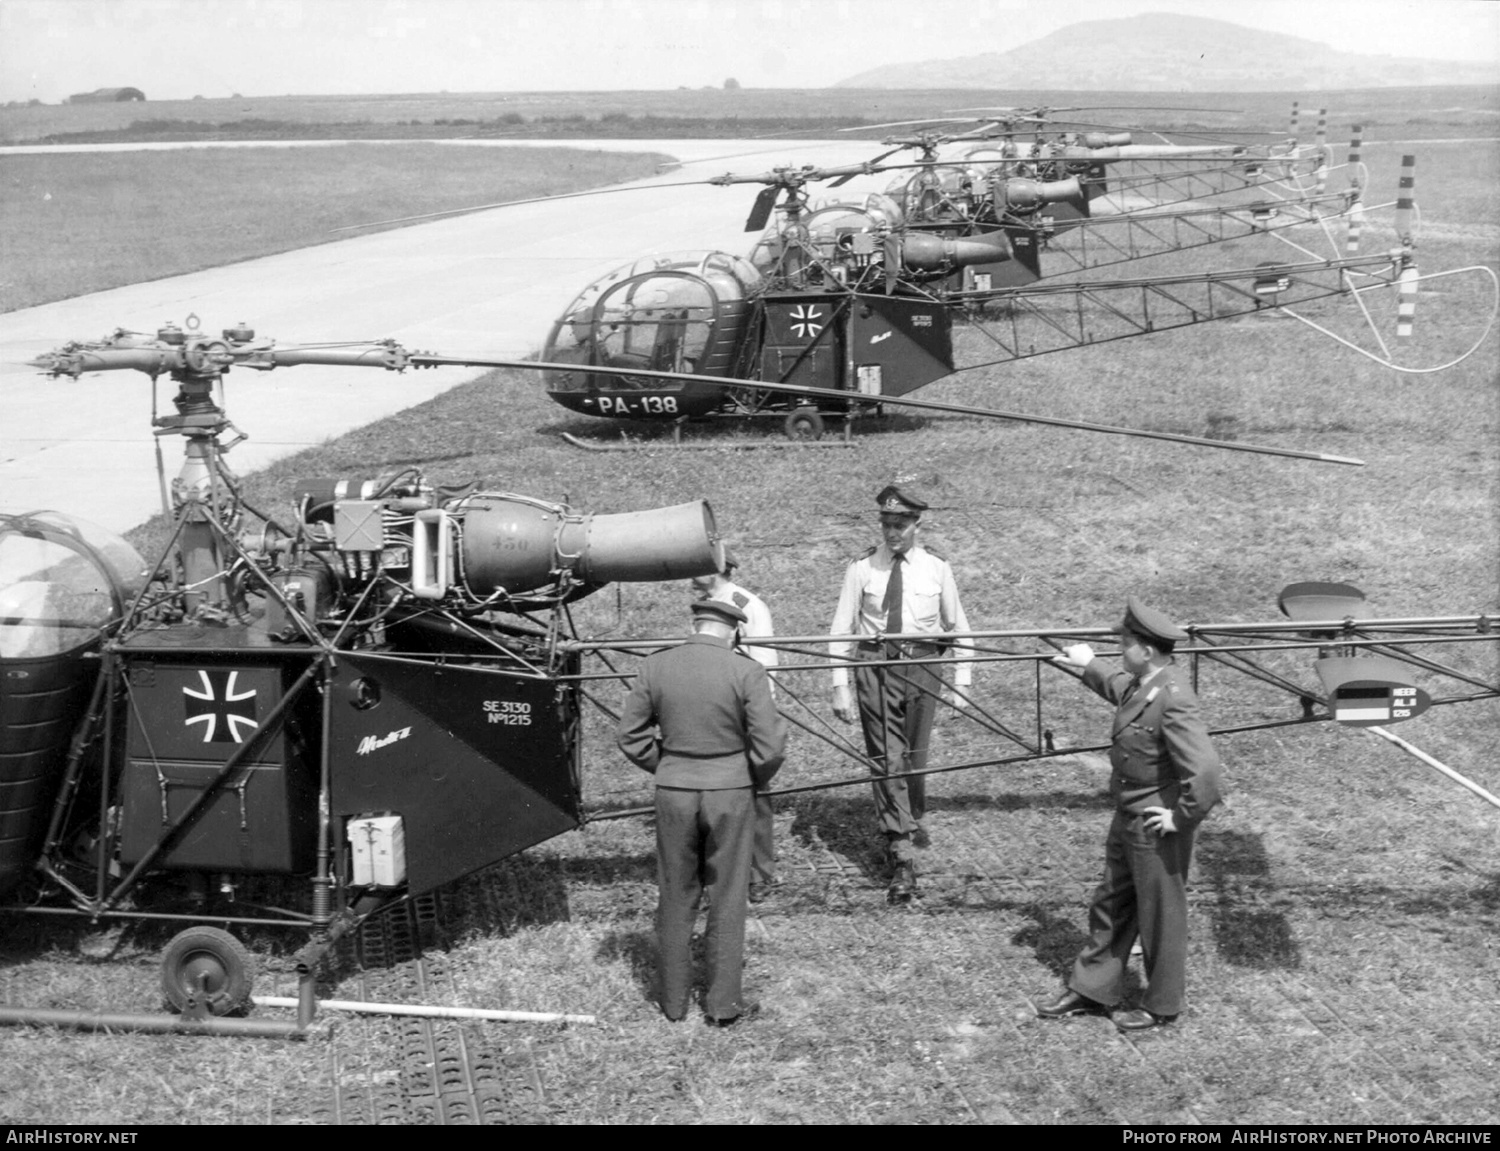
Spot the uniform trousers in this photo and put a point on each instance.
(896, 709)
(703, 838)
(763, 855)
(1144, 893)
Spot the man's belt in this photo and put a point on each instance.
(897, 649)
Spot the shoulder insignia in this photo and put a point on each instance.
(866, 554)
(935, 554)
(740, 599)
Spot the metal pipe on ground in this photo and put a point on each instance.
(427, 1012)
(1418, 753)
(162, 1024)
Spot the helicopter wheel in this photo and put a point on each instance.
(804, 424)
(210, 964)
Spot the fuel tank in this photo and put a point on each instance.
(63, 582)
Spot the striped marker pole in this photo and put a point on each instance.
(1292, 127)
(1320, 142)
(1406, 304)
(1406, 301)
(1404, 200)
(1356, 209)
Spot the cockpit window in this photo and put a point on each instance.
(62, 581)
(660, 322)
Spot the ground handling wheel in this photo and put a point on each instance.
(206, 970)
(804, 424)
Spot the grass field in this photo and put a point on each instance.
(82, 222)
(1387, 113)
(1346, 909)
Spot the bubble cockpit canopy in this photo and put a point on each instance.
(63, 580)
(664, 313)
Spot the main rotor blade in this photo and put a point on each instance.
(905, 123)
(760, 211)
(1099, 108)
(429, 361)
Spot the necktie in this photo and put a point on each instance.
(892, 603)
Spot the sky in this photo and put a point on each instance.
(176, 49)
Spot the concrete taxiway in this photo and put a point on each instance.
(484, 284)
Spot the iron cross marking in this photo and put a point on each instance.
(226, 714)
(804, 320)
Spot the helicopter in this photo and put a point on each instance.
(857, 302)
(370, 693)
(833, 313)
(381, 691)
(1172, 199)
(848, 306)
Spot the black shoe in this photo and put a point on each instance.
(1071, 1003)
(760, 891)
(751, 1010)
(1142, 1020)
(903, 883)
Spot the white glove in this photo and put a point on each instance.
(843, 705)
(1080, 655)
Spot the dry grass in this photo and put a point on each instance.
(1347, 901)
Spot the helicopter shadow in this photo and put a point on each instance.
(1246, 931)
(1067, 802)
(527, 891)
(843, 826)
(637, 949)
(1053, 939)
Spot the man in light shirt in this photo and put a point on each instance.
(898, 588)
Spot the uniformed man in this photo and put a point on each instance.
(720, 586)
(898, 588)
(701, 719)
(1164, 778)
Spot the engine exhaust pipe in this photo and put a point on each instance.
(1026, 195)
(516, 544)
(921, 252)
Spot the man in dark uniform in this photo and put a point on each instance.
(701, 719)
(1164, 778)
(897, 588)
(720, 586)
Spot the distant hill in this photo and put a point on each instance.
(1162, 52)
